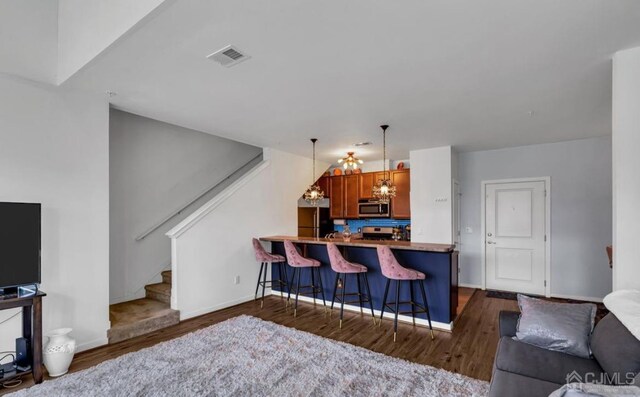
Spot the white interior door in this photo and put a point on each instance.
(515, 227)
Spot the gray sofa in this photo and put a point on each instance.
(525, 370)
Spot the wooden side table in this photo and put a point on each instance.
(31, 330)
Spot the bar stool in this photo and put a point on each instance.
(342, 267)
(298, 262)
(392, 270)
(265, 259)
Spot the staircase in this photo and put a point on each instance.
(141, 316)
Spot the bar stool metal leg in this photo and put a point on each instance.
(413, 306)
(255, 296)
(282, 276)
(335, 290)
(426, 306)
(324, 301)
(359, 292)
(395, 321)
(264, 283)
(293, 277)
(344, 287)
(295, 308)
(384, 301)
(366, 286)
(313, 285)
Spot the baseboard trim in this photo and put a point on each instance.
(405, 319)
(92, 344)
(476, 286)
(224, 305)
(578, 298)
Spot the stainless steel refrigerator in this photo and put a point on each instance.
(314, 222)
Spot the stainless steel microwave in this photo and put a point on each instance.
(373, 209)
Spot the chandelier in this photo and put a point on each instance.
(384, 190)
(350, 161)
(314, 193)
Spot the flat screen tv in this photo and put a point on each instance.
(19, 244)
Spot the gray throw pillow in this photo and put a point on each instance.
(563, 327)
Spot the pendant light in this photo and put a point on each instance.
(314, 193)
(384, 190)
(350, 161)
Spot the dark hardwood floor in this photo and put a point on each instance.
(468, 350)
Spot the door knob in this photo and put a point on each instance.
(491, 242)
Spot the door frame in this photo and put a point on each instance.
(547, 226)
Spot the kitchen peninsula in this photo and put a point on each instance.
(439, 262)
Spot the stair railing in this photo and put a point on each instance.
(192, 201)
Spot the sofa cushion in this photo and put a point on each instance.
(616, 349)
(563, 327)
(506, 384)
(551, 366)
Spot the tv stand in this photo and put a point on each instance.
(31, 329)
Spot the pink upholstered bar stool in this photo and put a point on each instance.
(342, 267)
(299, 262)
(392, 270)
(265, 258)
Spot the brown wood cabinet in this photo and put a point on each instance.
(351, 196)
(365, 185)
(336, 187)
(346, 190)
(324, 184)
(401, 204)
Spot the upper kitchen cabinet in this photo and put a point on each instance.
(336, 186)
(325, 185)
(351, 196)
(401, 204)
(365, 185)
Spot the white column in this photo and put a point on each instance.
(626, 169)
(431, 195)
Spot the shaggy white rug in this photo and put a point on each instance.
(246, 356)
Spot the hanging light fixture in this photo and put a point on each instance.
(314, 193)
(350, 161)
(384, 190)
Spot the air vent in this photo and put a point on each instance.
(229, 56)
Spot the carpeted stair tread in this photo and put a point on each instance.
(166, 276)
(138, 317)
(159, 291)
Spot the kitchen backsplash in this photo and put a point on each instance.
(355, 224)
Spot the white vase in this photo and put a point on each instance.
(59, 351)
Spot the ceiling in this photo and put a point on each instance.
(475, 74)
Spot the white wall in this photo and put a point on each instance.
(626, 169)
(580, 174)
(86, 28)
(431, 192)
(155, 169)
(54, 150)
(209, 250)
(29, 38)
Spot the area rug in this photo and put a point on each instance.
(246, 356)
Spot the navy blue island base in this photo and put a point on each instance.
(439, 262)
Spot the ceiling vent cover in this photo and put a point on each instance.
(229, 56)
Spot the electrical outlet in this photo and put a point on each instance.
(236, 280)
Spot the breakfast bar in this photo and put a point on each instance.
(439, 262)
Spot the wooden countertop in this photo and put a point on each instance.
(401, 245)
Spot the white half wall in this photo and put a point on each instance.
(86, 28)
(213, 246)
(54, 150)
(431, 195)
(626, 169)
(580, 174)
